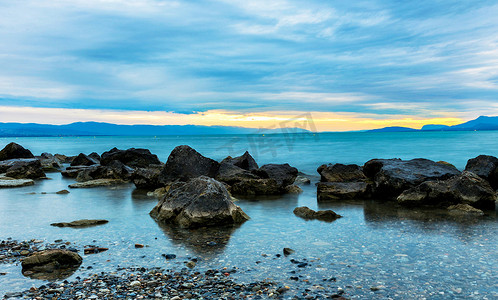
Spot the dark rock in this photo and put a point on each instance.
(467, 188)
(201, 201)
(245, 161)
(64, 158)
(94, 250)
(114, 170)
(62, 192)
(322, 215)
(95, 156)
(147, 178)
(288, 251)
(83, 160)
(231, 174)
(80, 223)
(327, 191)
(30, 168)
(72, 173)
(49, 162)
(185, 163)
(283, 174)
(169, 256)
(392, 176)
(465, 209)
(257, 187)
(341, 173)
(13, 150)
(486, 167)
(135, 158)
(51, 264)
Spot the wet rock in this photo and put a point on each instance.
(465, 209)
(293, 189)
(322, 215)
(256, 187)
(139, 245)
(301, 179)
(95, 156)
(245, 162)
(392, 176)
(332, 191)
(114, 170)
(64, 158)
(133, 157)
(283, 174)
(288, 251)
(21, 168)
(62, 192)
(83, 160)
(341, 173)
(51, 264)
(232, 174)
(73, 172)
(13, 151)
(6, 182)
(49, 162)
(185, 163)
(97, 183)
(148, 178)
(169, 256)
(80, 223)
(190, 264)
(201, 201)
(467, 188)
(94, 250)
(486, 167)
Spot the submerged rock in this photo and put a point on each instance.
(80, 223)
(327, 191)
(465, 209)
(201, 201)
(6, 182)
(392, 176)
(185, 163)
(51, 264)
(133, 157)
(13, 150)
(467, 188)
(486, 167)
(97, 183)
(322, 215)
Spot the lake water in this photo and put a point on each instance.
(407, 253)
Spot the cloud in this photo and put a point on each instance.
(359, 57)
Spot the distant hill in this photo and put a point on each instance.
(393, 129)
(482, 123)
(107, 129)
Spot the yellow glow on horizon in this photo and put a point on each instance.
(319, 121)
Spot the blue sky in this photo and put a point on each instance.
(355, 61)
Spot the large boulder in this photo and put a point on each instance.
(392, 176)
(148, 178)
(185, 163)
(486, 167)
(51, 264)
(341, 173)
(199, 202)
(467, 188)
(135, 158)
(232, 174)
(245, 161)
(283, 174)
(19, 168)
(83, 160)
(13, 150)
(332, 191)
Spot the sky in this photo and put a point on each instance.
(350, 65)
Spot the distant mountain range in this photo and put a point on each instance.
(107, 129)
(480, 124)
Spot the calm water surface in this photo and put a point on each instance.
(407, 253)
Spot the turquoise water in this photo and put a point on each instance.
(407, 253)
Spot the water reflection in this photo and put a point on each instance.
(51, 274)
(204, 241)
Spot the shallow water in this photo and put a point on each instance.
(407, 253)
